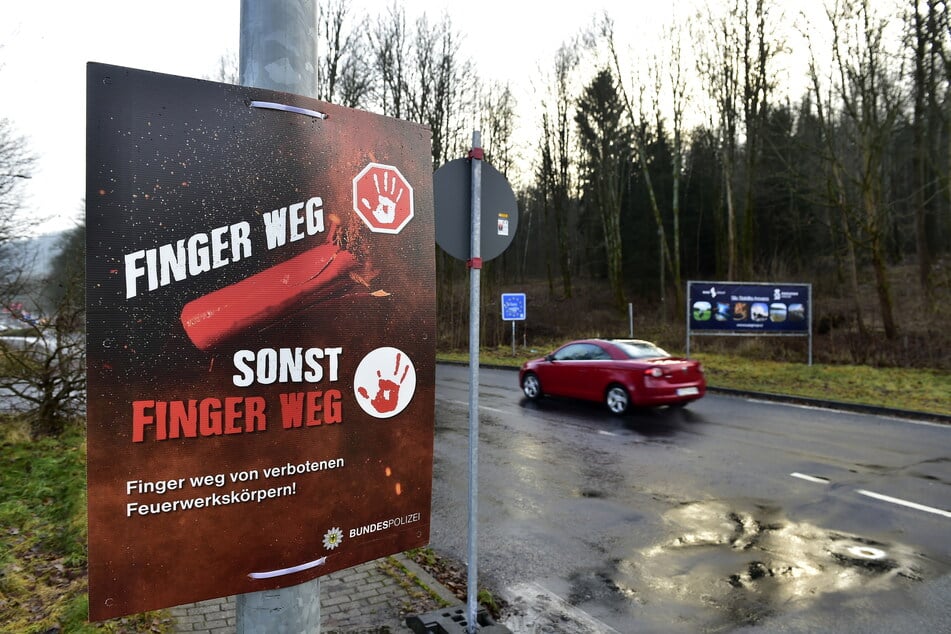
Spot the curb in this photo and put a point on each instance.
(426, 580)
(857, 408)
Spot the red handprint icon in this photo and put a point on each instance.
(388, 391)
(385, 382)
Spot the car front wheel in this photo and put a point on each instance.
(532, 387)
(617, 399)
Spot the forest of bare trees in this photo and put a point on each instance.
(705, 157)
(843, 185)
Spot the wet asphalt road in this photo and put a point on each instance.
(730, 515)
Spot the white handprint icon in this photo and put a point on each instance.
(383, 198)
(385, 211)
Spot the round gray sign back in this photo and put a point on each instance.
(452, 190)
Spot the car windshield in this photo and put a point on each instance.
(641, 349)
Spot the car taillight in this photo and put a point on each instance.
(654, 372)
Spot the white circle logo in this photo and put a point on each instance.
(867, 552)
(385, 382)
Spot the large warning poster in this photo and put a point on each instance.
(261, 355)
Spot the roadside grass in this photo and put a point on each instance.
(43, 582)
(912, 389)
(919, 390)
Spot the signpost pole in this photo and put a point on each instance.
(475, 265)
(459, 189)
(275, 35)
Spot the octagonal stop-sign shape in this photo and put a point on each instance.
(383, 198)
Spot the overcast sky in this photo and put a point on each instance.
(44, 48)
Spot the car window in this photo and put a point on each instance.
(568, 353)
(581, 352)
(641, 349)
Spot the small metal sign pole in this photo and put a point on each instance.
(513, 309)
(475, 266)
(277, 34)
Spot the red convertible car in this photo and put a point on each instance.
(618, 372)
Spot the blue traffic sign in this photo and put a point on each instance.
(513, 306)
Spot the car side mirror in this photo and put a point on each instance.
(550, 358)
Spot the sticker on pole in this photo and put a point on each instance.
(383, 198)
(385, 382)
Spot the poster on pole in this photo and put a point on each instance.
(261, 338)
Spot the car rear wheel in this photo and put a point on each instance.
(532, 387)
(617, 399)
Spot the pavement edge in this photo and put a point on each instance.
(426, 580)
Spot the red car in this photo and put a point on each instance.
(618, 372)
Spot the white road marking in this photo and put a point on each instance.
(541, 610)
(606, 433)
(760, 401)
(900, 502)
(833, 410)
(809, 478)
(878, 496)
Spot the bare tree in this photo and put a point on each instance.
(499, 119)
(44, 363)
(759, 45)
(719, 69)
(677, 84)
(735, 68)
(443, 86)
(343, 75)
(554, 176)
(640, 117)
(389, 52)
(926, 22)
(355, 83)
(332, 43)
(16, 163)
(864, 91)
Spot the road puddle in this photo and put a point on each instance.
(749, 564)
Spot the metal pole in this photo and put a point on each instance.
(475, 264)
(810, 324)
(278, 46)
(278, 51)
(630, 318)
(687, 319)
(513, 337)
